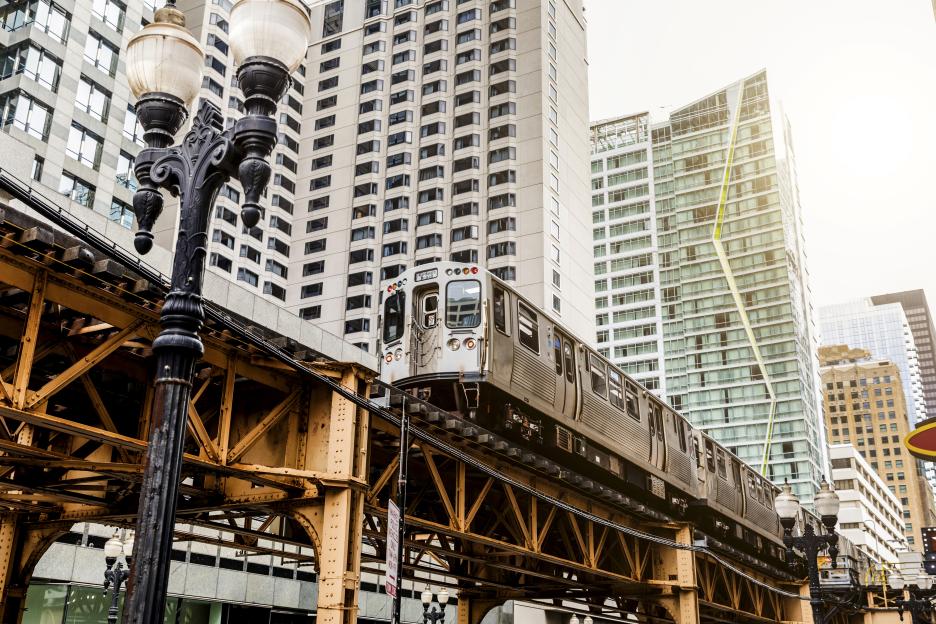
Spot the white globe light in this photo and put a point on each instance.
(443, 596)
(279, 29)
(786, 503)
(574, 619)
(426, 597)
(164, 57)
(826, 501)
(113, 547)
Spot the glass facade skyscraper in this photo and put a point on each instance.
(732, 288)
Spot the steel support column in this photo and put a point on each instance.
(342, 516)
(473, 610)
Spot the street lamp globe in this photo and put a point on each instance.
(587, 620)
(574, 619)
(827, 504)
(164, 57)
(787, 506)
(273, 29)
(443, 597)
(426, 597)
(113, 547)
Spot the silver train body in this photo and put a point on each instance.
(471, 344)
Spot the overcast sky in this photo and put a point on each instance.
(857, 78)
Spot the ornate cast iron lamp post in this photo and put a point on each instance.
(269, 39)
(436, 616)
(809, 543)
(114, 572)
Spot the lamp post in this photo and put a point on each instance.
(809, 543)
(920, 609)
(114, 572)
(269, 39)
(436, 616)
(911, 573)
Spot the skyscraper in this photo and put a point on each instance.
(733, 294)
(443, 131)
(884, 331)
(64, 93)
(919, 317)
(863, 402)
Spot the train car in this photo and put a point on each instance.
(471, 344)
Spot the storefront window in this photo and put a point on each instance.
(45, 604)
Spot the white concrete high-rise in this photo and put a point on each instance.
(624, 235)
(445, 130)
(871, 516)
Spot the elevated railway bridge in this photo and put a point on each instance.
(286, 455)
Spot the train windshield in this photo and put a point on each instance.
(463, 304)
(394, 317)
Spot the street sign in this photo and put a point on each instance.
(393, 548)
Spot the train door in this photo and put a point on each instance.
(657, 436)
(564, 356)
(425, 331)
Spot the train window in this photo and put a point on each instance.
(463, 304)
(615, 389)
(633, 407)
(722, 464)
(569, 360)
(394, 317)
(557, 354)
(656, 415)
(500, 311)
(710, 455)
(768, 497)
(430, 310)
(599, 376)
(528, 328)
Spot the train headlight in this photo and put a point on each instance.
(470, 343)
(398, 354)
(454, 344)
(448, 271)
(389, 357)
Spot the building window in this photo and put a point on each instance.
(76, 189)
(84, 146)
(101, 53)
(23, 112)
(334, 16)
(121, 213)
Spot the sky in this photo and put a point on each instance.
(857, 79)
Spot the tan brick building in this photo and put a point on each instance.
(863, 404)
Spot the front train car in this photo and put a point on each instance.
(433, 325)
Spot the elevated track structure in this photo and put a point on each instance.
(288, 455)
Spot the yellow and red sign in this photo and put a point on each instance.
(921, 442)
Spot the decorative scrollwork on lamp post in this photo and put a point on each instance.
(269, 39)
(810, 543)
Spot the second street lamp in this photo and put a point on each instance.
(269, 39)
(810, 543)
(114, 572)
(436, 616)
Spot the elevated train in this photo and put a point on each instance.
(471, 344)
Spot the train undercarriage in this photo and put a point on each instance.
(492, 409)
